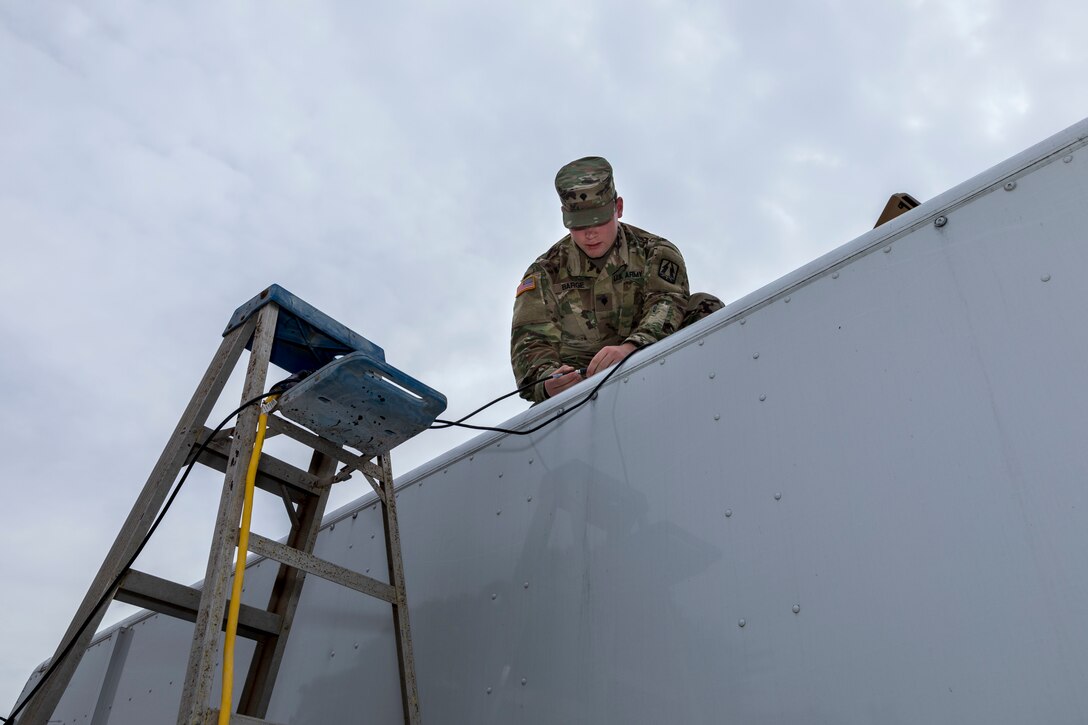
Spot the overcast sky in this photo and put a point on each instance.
(392, 164)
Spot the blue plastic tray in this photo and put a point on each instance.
(363, 403)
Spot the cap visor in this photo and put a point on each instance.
(589, 217)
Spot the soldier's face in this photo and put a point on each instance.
(597, 241)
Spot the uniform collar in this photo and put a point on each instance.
(578, 264)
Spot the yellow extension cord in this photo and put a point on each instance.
(239, 571)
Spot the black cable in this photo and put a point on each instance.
(590, 396)
(108, 594)
(451, 423)
(463, 418)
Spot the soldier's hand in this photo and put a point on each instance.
(608, 356)
(567, 376)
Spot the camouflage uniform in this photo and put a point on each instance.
(568, 306)
(567, 309)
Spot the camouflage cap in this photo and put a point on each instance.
(586, 192)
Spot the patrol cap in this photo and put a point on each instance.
(587, 192)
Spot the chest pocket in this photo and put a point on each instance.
(627, 305)
(577, 319)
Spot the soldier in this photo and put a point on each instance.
(601, 292)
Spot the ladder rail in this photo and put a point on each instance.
(200, 671)
(401, 627)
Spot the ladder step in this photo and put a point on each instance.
(271, 471)
(319, 567)
(176, 600)
(236, 719)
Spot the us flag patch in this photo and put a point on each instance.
(529, 283)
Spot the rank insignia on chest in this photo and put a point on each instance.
(668, 270)
(529, 283)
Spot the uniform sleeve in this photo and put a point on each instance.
(665, 296)
(534, 333)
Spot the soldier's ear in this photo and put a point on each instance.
(619, 206)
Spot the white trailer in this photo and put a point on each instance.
(857, 495)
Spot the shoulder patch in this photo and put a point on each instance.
(667, 270)
(527, 284)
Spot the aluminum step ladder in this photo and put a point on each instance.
(387, 407)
